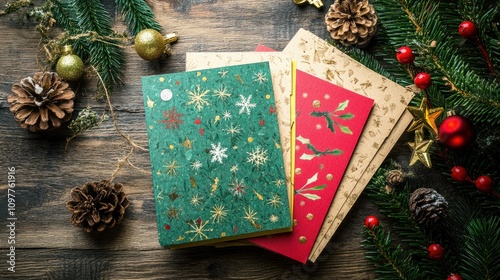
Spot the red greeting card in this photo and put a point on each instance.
(329, 121)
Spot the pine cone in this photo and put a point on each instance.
(97, 205)
(427, 206)
(42, 102)
(395, 178)
(351, 22)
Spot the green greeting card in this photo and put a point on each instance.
(215, 155)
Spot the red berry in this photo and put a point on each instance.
(459, 173)
(405, 55)
(454, 276)
(197, 121)
(436, 252)
(167, 226)
(467, 29)
(422, 80)
(484, 184)
(371, 221)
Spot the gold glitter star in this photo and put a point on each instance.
(420, 149)
(424, 117)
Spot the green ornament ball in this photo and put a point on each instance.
(70, 66)
(149, 44)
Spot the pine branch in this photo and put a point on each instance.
(481, 249)
(62, 11)
(105, 53)
(390, 263)
(138, 15)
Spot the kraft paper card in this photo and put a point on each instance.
(320, 58)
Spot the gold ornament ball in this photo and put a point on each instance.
(70, 67)
(149, 44)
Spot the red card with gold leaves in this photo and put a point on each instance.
(329, 122)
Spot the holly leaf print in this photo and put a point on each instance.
(342, 106)
(345, 129)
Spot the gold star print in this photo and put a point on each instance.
(172, 168)
(424, 117)
(420, 149)
(173, 213)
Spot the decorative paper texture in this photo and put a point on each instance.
(320, 58)
(281, 67)
(329, 121)
(216, 159)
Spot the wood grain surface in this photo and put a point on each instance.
(49, 247)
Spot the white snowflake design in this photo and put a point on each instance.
(195, 200)
(275, 201)
(278, 183)
(227, 115)
(234, 168)
(223, 73)
(198, 97)
(257, 157)
(238, 188)
(233, 130)
(273, 218)
(245, 104)
(196, 165)
(259, 77)
(222, 93)
(218, 153)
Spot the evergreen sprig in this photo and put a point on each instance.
(138, 15)
(391, 263)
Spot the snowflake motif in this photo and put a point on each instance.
(250, 215)
(327, 96)
(198, 98)
(259, 77)
(245, 104)
(275, 201)
(218, 153)
(318, 126)
(227, 115)
(238, 188)
(196, 165)
(257, 157)
(222, 93)
(195, 200)
(218, 213)
(198, 228)
(278, 183)
(233, 130)
(172, 168)
(273, 218)
(223, 73)
(234, 168)
(172, 119)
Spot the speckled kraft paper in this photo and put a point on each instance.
(314, 55)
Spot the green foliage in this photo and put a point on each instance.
(89, 29)
(138, 15)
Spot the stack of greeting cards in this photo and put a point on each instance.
(270, 147)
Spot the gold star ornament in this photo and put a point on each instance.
(423, 117)
(420, 149)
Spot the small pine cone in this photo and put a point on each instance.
(97, 206)
(427, 206)
(351, 22)
(42, 102)
(395, 178)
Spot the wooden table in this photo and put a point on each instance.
(49, 247)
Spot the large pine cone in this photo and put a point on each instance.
(42, 102)
(351, 22)
(97, 206)
(427, 206)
